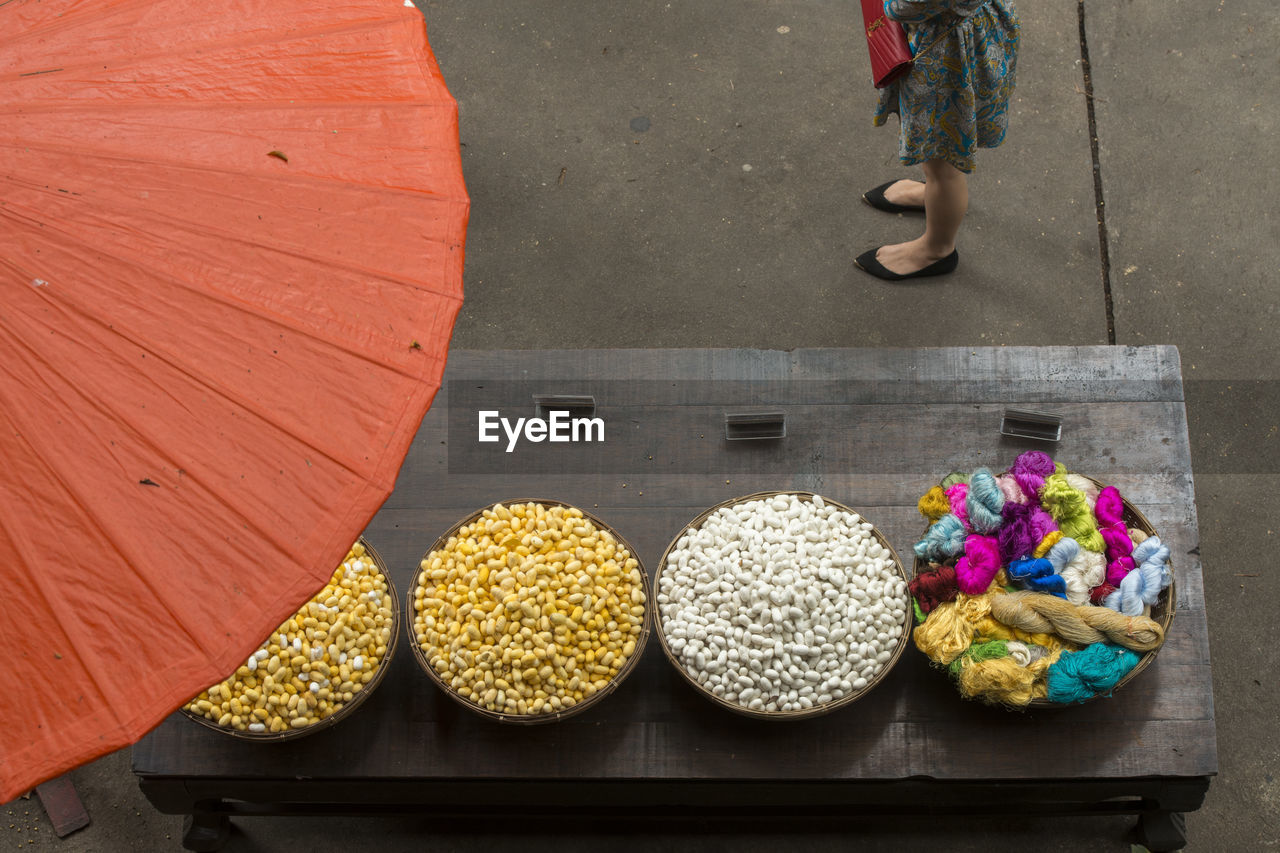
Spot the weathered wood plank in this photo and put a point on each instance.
(1159, 494)
(870, 438)
(879, 738)
(517, 393)
(1158, 365)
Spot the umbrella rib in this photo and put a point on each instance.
(287, 179)
(51, 106)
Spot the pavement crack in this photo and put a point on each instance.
(1104, 252)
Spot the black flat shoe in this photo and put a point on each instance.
(868, 263)
(876, 199)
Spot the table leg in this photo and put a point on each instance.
(1162, 831)
(205, 832)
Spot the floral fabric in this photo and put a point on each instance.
(956, 98)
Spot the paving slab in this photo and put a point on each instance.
(669, 174)
(1187, 122)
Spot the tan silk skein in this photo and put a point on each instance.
(1083, 624)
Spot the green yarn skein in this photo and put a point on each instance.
(980, 652)
(1069, 508)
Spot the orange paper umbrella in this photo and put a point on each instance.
(231, 242)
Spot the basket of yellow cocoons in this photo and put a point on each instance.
(318, 666)
(529, 611)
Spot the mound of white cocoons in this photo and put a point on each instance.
(782, 603)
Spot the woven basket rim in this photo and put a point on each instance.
(781, 716)
(347, 709)
(1166, 605)
(530, 719)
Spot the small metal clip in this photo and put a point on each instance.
(578, 405)
(755, 425)
(1025, 423)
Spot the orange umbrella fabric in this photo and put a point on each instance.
(231, 249)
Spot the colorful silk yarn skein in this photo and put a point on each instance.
(1036, 590)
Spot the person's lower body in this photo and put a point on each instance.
(945, 198)
(954, 101)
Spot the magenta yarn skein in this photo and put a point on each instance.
(1109, 510)
(958, 495)
(978, 567)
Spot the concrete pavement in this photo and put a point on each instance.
(650, 173)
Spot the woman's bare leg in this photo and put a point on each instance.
(946, 198)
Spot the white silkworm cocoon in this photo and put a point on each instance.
(793, 603)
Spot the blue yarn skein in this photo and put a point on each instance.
(943, 540)
(1037, 575)
(1095, 669)
(984, 502)
(1063, 552)
(1141, 587)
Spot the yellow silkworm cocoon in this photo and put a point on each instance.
(551, 595)
(305, 657)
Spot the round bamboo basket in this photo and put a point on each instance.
(531, 719)
(817, 710)
(1162, 611)
(349, 708)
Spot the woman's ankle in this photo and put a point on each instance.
(906, 192)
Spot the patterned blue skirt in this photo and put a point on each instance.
(956, 98)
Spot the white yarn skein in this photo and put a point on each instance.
(782, 604)
(1019, 652)
(1085, 571)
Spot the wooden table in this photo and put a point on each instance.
(873, 428)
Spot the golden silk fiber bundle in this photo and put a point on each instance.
(950, 627)
(1005, 681)
(934, 504)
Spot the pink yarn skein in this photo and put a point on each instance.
(958, 495)
(978, 567)
(1012, 491)
(1109, 510)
